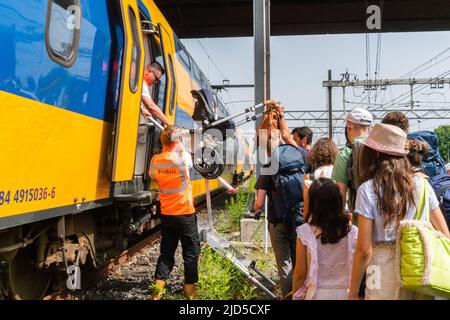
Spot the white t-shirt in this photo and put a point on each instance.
(367, 206)
(323, 171)
(146, 91)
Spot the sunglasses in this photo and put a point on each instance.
(156, 76)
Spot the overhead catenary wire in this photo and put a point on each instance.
(417, 89)
(217, 68)
(210, 59)
(414, 71)
(419, 69)
(377, 64)
(368, 63)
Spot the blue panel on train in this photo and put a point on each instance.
(27, 70)
(143, 8)
(183, 119)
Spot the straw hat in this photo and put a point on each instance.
(388, 139)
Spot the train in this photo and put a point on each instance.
(75, 151)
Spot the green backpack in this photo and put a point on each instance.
(424, 253)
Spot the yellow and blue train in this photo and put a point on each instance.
(74, 151)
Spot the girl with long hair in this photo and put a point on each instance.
(389, 194)
(325, 247)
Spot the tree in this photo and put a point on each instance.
(443, 133)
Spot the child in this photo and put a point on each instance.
(325, 247)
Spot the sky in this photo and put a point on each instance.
(299, 64)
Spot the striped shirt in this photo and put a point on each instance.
(366, 205)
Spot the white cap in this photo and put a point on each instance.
(447, 166)
(360, 116)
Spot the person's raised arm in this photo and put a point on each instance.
(285, 132)
(154, 110)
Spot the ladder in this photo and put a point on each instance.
(222, 246)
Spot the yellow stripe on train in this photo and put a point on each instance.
(60, 153)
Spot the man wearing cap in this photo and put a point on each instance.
(447, 167)
(357, 127)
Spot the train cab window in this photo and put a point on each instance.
(62, 32)
(136, 53)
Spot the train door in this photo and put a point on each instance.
(158, 47)
(148, 134)
(171, 93)
(130, 94)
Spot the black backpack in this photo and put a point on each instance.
(288, 182)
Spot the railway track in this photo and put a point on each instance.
(98, 274)
(91, 276)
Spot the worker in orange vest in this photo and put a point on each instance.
(178, 219)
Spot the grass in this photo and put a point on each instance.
(221, 280)
(235, 207)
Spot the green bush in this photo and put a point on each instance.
(237, 205)
(221, 280)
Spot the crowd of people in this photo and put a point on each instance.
(354, 201)
(334, 215)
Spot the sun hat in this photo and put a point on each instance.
(386, 138)
(360, 116)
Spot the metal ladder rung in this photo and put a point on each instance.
(244, 264)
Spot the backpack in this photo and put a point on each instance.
(354, 173)
(441, 186)
(288, 182)
(432, 164)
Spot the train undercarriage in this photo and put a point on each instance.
(48, 255)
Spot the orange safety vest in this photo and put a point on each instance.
(175, 191)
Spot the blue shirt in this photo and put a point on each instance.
(366, 205)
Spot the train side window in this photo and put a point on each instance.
(203, 82)
(136, 53)
(62, 31)
(184, 57)
(173, 86)
(197, 73)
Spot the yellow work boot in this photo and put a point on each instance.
(190, 292)
(158, 289)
